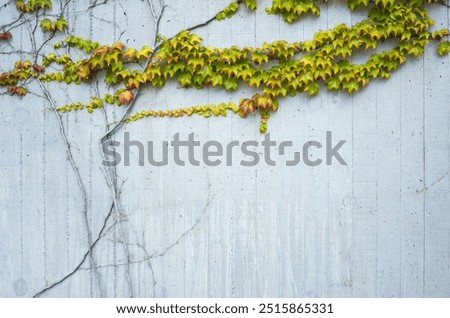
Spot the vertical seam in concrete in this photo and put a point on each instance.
(67, 212)
(21, 187)
(21, 201)
(448, 167)
(91, 145)
(44, 189)
(114, 246)
(424, 171)
(327, 291)
(351, 243)
(305, 187)
(399, 213)
(377, 192)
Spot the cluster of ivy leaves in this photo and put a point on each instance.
(275, 69)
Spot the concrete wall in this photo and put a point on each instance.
(378, 227)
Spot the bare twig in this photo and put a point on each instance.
(169, 247)
(110, 173)
(83, 260)
(31, 31)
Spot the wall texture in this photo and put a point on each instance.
(378, 227)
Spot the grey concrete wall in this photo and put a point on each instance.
(378, 227)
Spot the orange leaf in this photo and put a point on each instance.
(126, 97)
(247, 106)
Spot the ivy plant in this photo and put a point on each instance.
(276, 69)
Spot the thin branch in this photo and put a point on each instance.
(77, 175)
(111, 174)
(10, 25)
(203, 24)
(169, 247)
(444, 3)
(96, 4)
(67, 147)
(83, 260)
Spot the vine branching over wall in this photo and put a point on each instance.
(276, 69)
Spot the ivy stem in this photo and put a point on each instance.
(111, 174)
(68, 154)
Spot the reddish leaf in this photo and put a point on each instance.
(126, 97)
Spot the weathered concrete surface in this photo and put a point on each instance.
(377, 227)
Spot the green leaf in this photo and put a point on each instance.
(444, 48)
(230, 83)
(46, 25)
(185, 79)
(109, 99)
(251, 4)
(61, 24)
(312, 88)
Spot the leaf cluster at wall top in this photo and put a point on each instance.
(275, 69)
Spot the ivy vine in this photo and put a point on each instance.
(276, 69)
